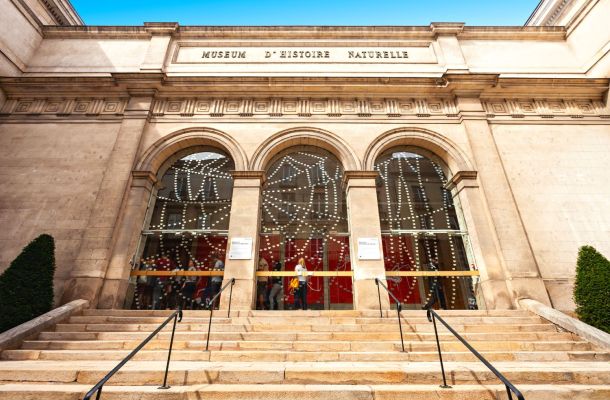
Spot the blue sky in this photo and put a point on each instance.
(305, 12)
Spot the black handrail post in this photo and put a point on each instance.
(211, 308)
(207, 343)
(510, 395)
(97, 389)
(438, 346)
(398, 310)
(171, 345)
(379, 295)
(230, 296)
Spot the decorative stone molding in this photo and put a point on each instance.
(63, 107)
(359, 178)
(546, 108)
(260, 175)
(143, 177)
(304, 107)
(461, 176)
(284, 139)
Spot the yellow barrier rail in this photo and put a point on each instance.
(311, 273)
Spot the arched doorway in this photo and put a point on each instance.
(425, 245)
(304, 216)
(184, 238)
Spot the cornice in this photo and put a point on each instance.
(162, 86)
(430, 32)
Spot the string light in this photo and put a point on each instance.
(409, 182)
(195, 195)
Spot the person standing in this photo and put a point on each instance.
(436, 287)
(188, 287)
(300, 295)
(276, 288)
(216, 281)
(261, 285)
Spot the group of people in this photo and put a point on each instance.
(270, 289)
(194, 292)
(186, 291)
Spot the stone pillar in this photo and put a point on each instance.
(363, 221)
(244, 222)
(521, 271)
(90, 266)
(466, 192)
(127, 239)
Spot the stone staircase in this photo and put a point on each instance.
(326, 355)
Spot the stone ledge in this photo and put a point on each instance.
(13, 337)
(593, 335)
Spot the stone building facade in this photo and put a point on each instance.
(512, 125)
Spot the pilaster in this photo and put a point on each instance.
(128, 234)
(516, 256)
(492, 288)
(446, 36)
(363, 220)
(244, 222)
(95, 250)
(161, 32)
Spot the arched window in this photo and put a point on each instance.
(304, 215)
(420, 231)
(185, 232)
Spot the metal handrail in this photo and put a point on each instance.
(398, 307)
(510, 388)
(211, 307)
(177, 317)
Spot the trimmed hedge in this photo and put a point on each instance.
(26, 287)
(592, 288)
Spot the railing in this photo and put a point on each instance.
(510, 388)
(177, 317)
(378, 282)
(211, 308)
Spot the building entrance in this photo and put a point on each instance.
(180, 258)
(326, 259)
(425, 245)
(304, 217)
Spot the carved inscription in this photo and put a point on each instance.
(192, 54)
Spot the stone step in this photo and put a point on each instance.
(387, 327)
(103, 319)
(193, 373)
(313, 356)
(31, 391)
(308, 313)
(310, 336)
(307, 345)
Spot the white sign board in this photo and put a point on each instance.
(368, 249)
(241, 248)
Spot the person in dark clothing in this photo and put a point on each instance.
(275, 293)
(436, 287)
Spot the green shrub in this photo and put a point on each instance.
(592, 288)
(26, 287)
